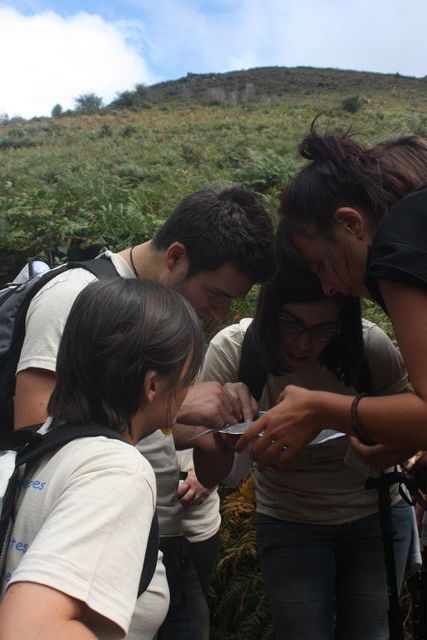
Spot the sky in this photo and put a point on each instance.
(52, 51)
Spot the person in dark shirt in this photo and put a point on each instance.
(358, 217)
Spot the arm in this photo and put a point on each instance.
(49, 614)
(380, 456)
(33, 390)
(397, 420)
(45, 321)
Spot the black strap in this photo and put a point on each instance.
(100, 267)
(40, 444)
(251, 370)
(151, 554)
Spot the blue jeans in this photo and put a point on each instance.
(185, 612)
(328, 582)
(189, 568)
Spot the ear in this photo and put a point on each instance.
(351, 221)
(150, 387)
(176, 258)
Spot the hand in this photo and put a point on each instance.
(244, 404)
(418, 468)
(206, 404)
(380, 456)
(191, 491)
(284, 430)
(215, 442)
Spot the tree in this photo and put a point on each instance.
(88, 103)
(56, 111)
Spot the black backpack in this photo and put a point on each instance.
(253, 373)
(14, 302)
(30, 446)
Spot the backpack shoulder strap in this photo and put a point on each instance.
(100, 267)
(151, 555)
(40, 444)
(251, 370)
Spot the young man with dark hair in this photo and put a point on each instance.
(216, 244)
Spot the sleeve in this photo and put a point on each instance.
(185, 459)
(46, 317)
(385, 363)
(222, 358)
(92, 544)
(398, 251)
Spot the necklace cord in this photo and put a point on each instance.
(132, 263)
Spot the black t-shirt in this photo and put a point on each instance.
(399, 248)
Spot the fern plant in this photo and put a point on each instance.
(239, 610)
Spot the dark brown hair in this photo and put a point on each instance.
(116, 331)
(219, 225)
(343, 172)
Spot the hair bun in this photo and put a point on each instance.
(336, 148)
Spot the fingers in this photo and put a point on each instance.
(244, 405)
(255, 407)
(192, 494)
(252, 433)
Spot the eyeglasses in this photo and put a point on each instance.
(318, 332)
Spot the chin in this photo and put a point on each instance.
(295, 363)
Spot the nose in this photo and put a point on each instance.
(303, 343)
(328, 287)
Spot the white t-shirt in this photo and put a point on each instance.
(48, 312)
(199, 521)
(324, 483)
(82, 527)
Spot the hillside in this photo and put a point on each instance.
(110, 177)
(268, 84)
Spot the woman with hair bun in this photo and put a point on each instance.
(358, 216)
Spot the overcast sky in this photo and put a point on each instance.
(54, 50)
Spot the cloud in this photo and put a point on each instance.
(191, 35)
(48, 59)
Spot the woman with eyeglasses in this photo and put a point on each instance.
(318, 528)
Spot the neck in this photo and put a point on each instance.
(146, 261)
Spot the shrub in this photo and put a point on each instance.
(88, 103)
(351, 104)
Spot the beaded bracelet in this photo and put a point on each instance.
(355, 424)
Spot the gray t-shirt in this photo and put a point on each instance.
(159, 449)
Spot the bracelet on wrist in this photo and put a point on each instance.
(355, 424)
